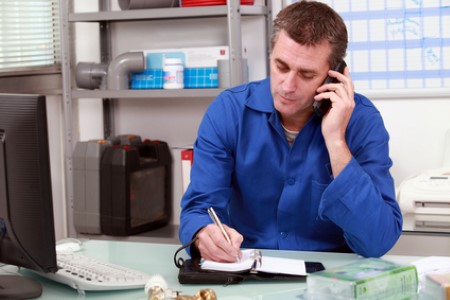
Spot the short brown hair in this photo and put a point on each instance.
(310, 23)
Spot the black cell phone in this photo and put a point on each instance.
(322, 107)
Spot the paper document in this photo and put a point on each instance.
(432, 264)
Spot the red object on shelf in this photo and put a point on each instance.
(186, 3)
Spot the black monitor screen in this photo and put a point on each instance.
(27, 235)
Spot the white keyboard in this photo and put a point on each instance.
(85, 273)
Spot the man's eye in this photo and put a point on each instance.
(307, 76)
(282, 68)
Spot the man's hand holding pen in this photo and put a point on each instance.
(217, 245)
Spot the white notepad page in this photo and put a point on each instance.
(269, 264)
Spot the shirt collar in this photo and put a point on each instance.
(261, 99)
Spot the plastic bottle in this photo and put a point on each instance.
(173, 73)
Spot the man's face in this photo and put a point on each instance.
(296, 72)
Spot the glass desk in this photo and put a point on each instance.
(158, 259)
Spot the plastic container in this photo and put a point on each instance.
(143, 4)
(173, 70)
(186, 3)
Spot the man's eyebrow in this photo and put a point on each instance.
(280, 61)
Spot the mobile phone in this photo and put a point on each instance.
(322, 107)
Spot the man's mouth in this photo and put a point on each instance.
(287, 99)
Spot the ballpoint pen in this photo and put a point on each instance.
(216, 221)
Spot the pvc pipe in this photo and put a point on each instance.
(120, 68)
(89, 75)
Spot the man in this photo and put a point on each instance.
(281, 177)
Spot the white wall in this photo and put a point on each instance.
(417, 125)
(417, 128)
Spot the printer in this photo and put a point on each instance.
(426, 193)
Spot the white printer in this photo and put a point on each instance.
(427, 193)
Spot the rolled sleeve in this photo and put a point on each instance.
(371, 223)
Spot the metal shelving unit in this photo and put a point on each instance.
(233, 11)
(151, 94)
(166, 13)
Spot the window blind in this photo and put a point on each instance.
(29, 34)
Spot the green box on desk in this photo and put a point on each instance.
(367, 279)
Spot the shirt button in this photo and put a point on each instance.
(291, 181)
(283, 234)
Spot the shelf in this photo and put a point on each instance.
(107, 36)
(112, 94)
(165, 13)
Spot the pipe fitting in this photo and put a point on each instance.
(89, 75)
(120, 68)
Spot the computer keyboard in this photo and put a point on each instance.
(85, 273)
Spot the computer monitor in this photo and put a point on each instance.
(27, 233)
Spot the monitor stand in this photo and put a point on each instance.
(19, 287)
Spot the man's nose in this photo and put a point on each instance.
(290, 82)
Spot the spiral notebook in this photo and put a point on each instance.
(252, 266)
(253, 261)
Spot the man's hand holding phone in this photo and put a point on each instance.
(340, 94)
(322, 106)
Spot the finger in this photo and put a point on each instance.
(329, 87)
(345, 91)
(230, 246)
(340, 78)
(235, 237)
(331, 95)
(348, 82)
(205, 244)
(213, 245)
(330, 91)
(236, 240)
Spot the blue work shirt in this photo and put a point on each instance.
(285, 197)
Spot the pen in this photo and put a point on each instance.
(216, 221)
